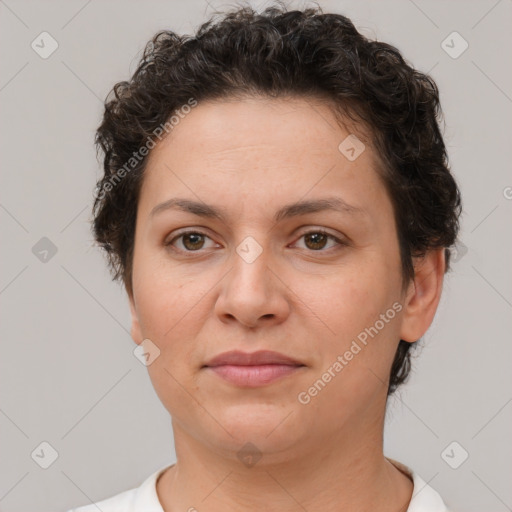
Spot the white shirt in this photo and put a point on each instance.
(145, 498)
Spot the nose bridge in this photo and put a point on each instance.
(250, 262)
(251, 291)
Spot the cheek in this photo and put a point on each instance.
(357, 306)
(355, 362)
(350, 300)
(163, 293)
(168, 314)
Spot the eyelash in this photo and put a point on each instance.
(315, 231)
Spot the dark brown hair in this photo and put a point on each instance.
(278, 53)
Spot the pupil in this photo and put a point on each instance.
(194, 245)
(316, 242)
(316, 239)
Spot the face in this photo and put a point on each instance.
(318, 285)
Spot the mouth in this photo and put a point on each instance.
(252, 369)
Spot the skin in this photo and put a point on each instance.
(252, 156)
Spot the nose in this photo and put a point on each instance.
(252, 293)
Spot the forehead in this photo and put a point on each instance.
(247, 124)
(264, 149)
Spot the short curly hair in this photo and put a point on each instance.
(276, 53)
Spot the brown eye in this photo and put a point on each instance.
(193, 241)
(189, 241)
(318, 240)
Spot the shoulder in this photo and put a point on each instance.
(424, 498)
(141, 498)
(118, 503)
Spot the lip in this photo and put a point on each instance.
(261, 357)
(252, 369)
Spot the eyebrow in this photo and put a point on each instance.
(288, 211)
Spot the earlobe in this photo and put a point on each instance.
(136, 332)
(423, 295)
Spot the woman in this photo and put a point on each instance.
(278, 205)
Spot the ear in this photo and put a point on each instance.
(136, 331)
(423, 295)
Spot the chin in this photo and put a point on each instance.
(271, 428)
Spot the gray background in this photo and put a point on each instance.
(68, 373)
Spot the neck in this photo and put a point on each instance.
(342, 472)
